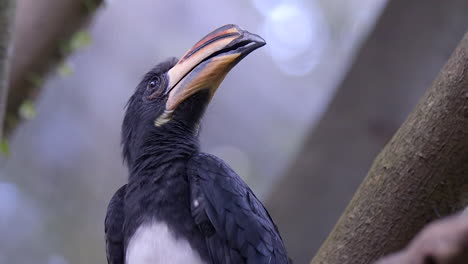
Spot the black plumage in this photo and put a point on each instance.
(198, 196)
(236, 226)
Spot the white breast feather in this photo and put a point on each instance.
(153, 243)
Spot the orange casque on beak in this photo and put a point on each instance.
(206, 64)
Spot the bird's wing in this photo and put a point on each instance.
(237, 227)
(113, 228)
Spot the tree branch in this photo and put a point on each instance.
(7, 10)
(391, 71)
(442, 242)
(42, 39)
(420, 175)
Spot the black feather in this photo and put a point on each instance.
(244, 231)
(113, 228)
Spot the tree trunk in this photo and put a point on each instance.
(43, 38)
(7, 11)
(421, 174)
(408, 46)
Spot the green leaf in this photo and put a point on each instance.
(65, 69)
(79, 40)
(4, 148)
(27, 110)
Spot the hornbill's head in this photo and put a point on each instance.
(172, 97)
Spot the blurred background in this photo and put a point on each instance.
(300, 119)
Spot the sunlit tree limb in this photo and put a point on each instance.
(419, 176)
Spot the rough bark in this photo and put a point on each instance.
(422, 173)
(406, 49)
(43, 29)
(443, 242)
(7, 10)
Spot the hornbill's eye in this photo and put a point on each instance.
(152, 88)
(152, 84)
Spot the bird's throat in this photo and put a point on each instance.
(162, 146)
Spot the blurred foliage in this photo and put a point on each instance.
(79, 40)
(91, 5)
(4, 147)
(65, 69)
(35, 79)
(27, 110)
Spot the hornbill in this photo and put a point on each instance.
(180, 205)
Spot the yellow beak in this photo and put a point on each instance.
(206, 64)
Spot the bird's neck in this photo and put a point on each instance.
(162, 146)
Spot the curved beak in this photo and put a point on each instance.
(206, 64)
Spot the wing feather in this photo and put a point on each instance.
(113, 228)
(240, 228)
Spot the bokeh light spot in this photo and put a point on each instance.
(291, 29)
(266, 6)
(296, 36)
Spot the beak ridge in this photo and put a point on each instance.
(206, 64)
(221, 38)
